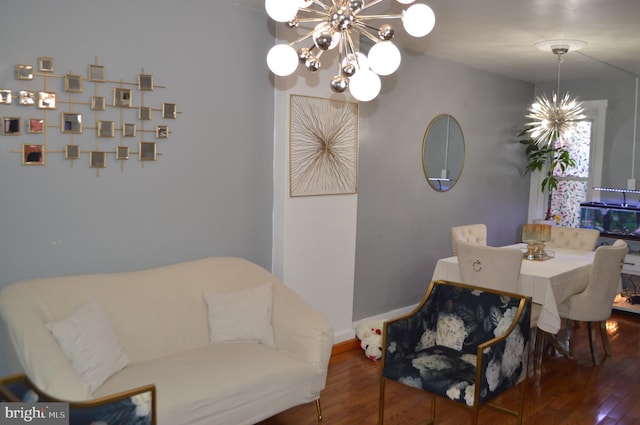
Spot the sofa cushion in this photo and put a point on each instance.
(241, 316)
(222, 384)
(89, 341)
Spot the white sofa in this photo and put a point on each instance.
(161, 321)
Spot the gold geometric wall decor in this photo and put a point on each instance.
(323, 147)
(118, 112)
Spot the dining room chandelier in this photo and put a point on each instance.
(337, 22)
(551, 117)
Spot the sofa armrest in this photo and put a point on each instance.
(301, 330)
(133, 407)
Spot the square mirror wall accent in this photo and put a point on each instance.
(73, 83)
(36, 125)
(145, 82)
(162, 132)
(77, 95)
(46, 100)
(33, 154)
(122, 97)
(24, 72)
(128, 130)
(98, 103)
(96, 73)
(11, 126)
(46, 64)
(72, 151)
(26, 98)
(97, 159)
(169, 110)
(147, 151)
(71, 123)
(122, 153)
(6, 96)
(144, 113)
(106, 129)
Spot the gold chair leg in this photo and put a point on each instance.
(521, 402)
(605, 338)
(592, 342)
(476, 410)
(432, 420)
(319, 410)
(381, 403)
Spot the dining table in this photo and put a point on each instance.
(549, 282)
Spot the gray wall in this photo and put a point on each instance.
(403, 224)
(210, 193)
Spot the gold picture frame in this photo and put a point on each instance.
(323, 146)
(11, 126)
(72, 152)
(32, 154)
(97, 159)
(147, 151)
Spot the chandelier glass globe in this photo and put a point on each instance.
(335, 24)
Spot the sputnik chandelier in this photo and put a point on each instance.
(553, 117)
(336, 24)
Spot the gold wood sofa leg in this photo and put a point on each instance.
(319, 410)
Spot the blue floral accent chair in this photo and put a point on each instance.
(134, 407)
(463, 343)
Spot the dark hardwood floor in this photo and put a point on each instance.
(571, 391)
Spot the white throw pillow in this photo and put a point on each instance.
(241, 316)
(90, 343)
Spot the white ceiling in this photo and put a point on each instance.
(499, 35)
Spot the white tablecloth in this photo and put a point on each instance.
(548, 282)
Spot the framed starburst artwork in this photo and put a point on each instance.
(323, 146)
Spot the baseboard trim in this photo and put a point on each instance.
(344, 347)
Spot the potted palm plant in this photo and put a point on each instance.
(546, 158)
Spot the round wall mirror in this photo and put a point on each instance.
(443, 152)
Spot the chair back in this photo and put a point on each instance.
(595, 302)
(470, 233)
(490, 267)
(573, 238)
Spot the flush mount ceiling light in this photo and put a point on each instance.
(552, 117)
(336, 23)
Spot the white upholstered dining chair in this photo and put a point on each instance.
(499, 269)
(594, 304)
(573, 238)
(470, 233)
